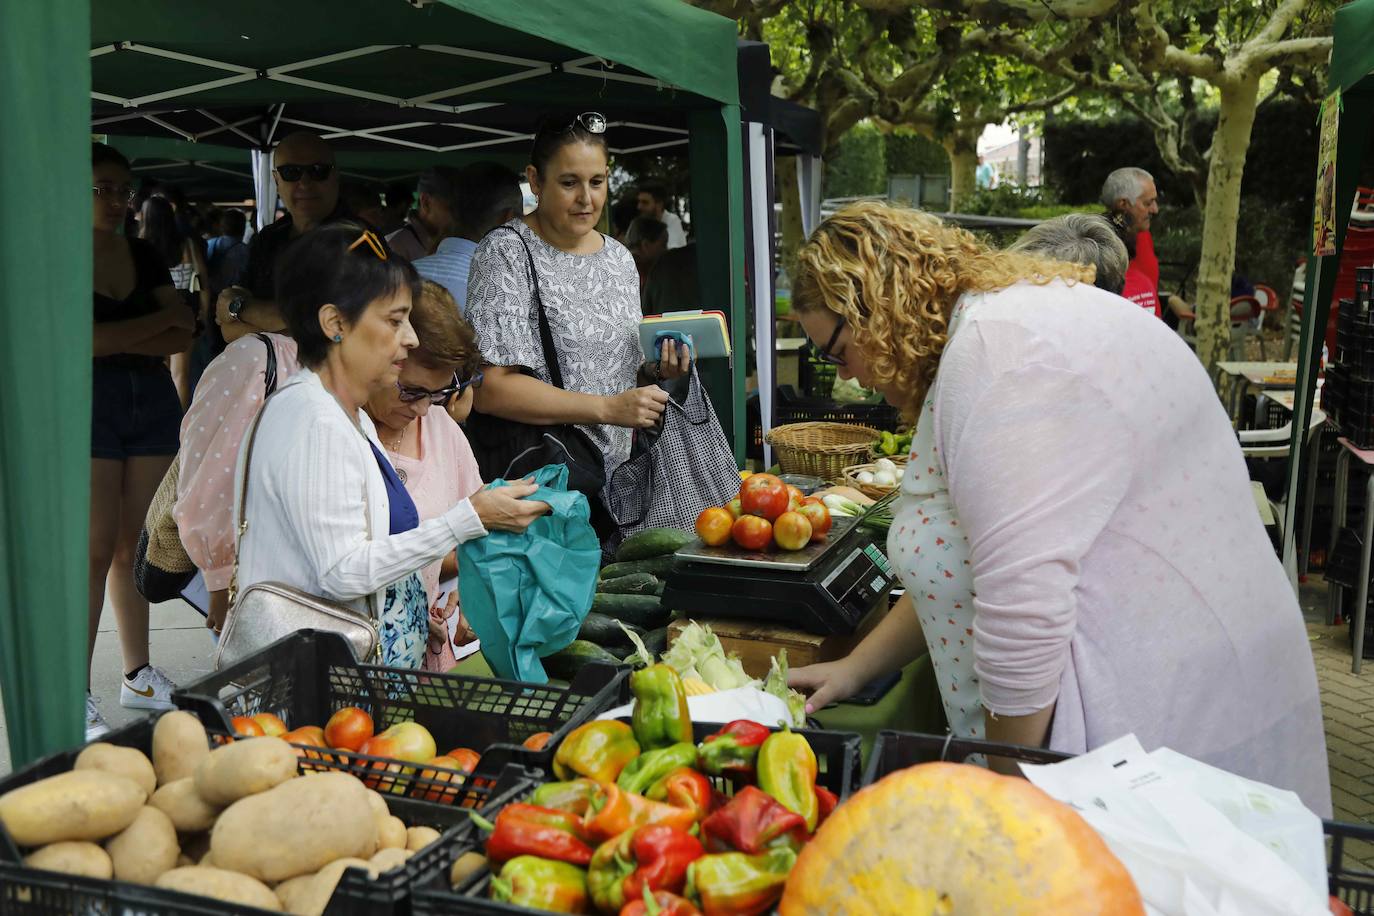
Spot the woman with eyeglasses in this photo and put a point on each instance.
(325, 510)
(589, 286)
(140, 320)
(1081, 482)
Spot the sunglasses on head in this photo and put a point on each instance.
(410, 394)
(593, 122)
(824, 352)
(370, 239)
(317, 171)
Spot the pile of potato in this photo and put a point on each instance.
(236, 823)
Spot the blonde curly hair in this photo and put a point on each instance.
(893, 275)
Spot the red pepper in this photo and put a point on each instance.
(529, 830)
(654, 857)
(753, 822)
(827, 801)
(665, 904)
(733, 750)
(613, 811)
(684, 788)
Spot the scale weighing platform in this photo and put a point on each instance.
(824, 588)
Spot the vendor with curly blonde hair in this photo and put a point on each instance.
(1074, 473)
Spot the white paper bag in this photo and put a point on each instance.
(726, 706)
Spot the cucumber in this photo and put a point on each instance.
(656, 641)
(657, 566)
(652, 542)
(633, 584)
(643, 611)
(568, 661)
(605, 631)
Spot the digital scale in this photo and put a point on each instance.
(825, 588)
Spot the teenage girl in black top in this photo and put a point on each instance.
(140, 320)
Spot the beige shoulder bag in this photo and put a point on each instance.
(268, 611)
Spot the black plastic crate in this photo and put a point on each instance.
(31, 892)
(305, 677)
(815, 376)
(894, 751)
(837, 756)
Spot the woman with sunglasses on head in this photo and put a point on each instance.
(324, 510)
(140, 320)
(589, 287)
(415, 424)
(1119, 580)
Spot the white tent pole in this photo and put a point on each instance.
(760, 200)
(264, 188)
(809, 189)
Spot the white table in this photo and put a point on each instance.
(1263, 375)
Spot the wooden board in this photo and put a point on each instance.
(757, 642)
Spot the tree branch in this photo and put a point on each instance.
(1279, 22)
(1314, 50)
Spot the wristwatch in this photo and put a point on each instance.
(236, 305)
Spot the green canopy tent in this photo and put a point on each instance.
(1352, 74)
(446, 60)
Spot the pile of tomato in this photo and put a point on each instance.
(766, 511)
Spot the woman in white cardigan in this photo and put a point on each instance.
(326, 512)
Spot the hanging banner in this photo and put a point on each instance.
(1324, 221)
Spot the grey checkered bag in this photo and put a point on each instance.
(676, 471)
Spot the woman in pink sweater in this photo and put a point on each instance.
(1122, 580)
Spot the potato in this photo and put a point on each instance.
(77, 805)
(244, 768)
(208, 859)
(295, 894)
(378, 806)
(392, 834)
(179, 745)
(181, 802)
(184, 860)
(147, 848)
(122, 761)
(313, 900)
(466, 865)
(388, 859)
(85, 859)
(418, 838)
(221, 885)
(295, 828)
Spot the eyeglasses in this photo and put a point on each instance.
(370, 238)
(824, 352)
(409, 394)
(123, 192)
(317, 171)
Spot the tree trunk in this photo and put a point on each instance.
(962, 147)
(1239, 97)
(791, 222)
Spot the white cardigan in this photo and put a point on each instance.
(315, 494)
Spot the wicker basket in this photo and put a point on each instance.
(871, 490)
(820, 449)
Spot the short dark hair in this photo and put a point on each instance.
(102, 154)
(655, 189)
(441, 181)
(157, 225)
(557, 131)
(623, 212)
(485, 191)
(317, 269)
(234, 223)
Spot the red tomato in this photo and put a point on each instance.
(818, 515)
(310, 735)
(734, 509)
(713, 526)
(792, 531)
(271, 725)
(794, 498)
(539, 740)
(348, 728)
(439, 792)
(764, 495)
(387, 778)
(752, 532)
(245, 727)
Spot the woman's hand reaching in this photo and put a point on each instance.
(675, 360)
(506, 508)
(825, 683)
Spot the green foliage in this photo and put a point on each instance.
(1012, 200)
(1270, 237)
(909, 153)
(860, 165)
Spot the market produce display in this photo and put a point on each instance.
(891, 443)
(767, 513)
(242, 825)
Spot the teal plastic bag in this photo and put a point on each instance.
(526, 595)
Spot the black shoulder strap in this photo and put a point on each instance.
(545, 335)
(269, 372)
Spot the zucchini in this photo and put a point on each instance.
(656, 641)
(633, 584)
(657, 566)
(643, 611)
(652, 542)
(572, 658)
(605, 631)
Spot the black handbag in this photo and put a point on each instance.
(512, 450)
(162, 570)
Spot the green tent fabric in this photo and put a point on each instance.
(45, 336)
(1352, 73)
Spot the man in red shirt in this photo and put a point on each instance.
(1131, 200)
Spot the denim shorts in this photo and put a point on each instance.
(135, 412)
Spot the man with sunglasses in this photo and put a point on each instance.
(308, 185)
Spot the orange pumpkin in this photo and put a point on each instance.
(948, 838)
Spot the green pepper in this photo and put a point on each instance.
(732, 751)
(654, 857)
(598, 750)
(735, 884)
(787, 771)
(651, 766)
(660, 716)
(541, 884)
(887, 444)
(566, 796)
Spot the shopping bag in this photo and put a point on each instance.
(526, 595)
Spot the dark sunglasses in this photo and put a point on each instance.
(317, 171)
(443, 395)
(824, 352)
(593, 122)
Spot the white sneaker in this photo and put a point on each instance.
(96, 727)
(150, 689)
